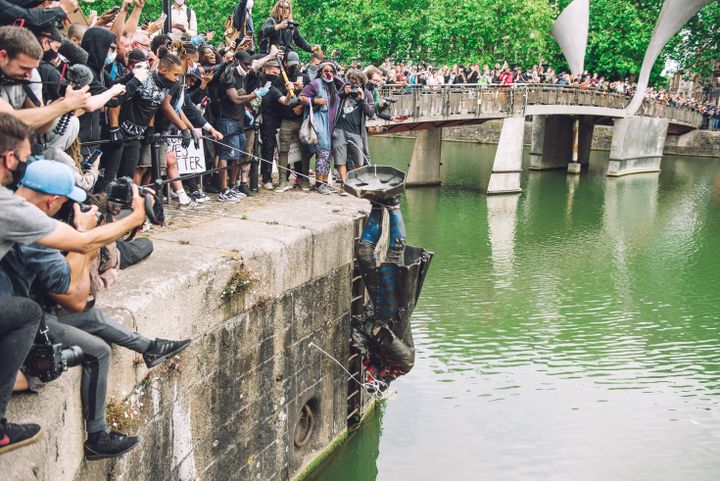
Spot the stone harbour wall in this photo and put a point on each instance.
(253, 290)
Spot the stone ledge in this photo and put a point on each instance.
(176, 293)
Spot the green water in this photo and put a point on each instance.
(568, 333)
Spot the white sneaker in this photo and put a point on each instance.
(236, 193)
(185, 201)
(199, 196)
(283, 187)
(268, 186)
(227, 196)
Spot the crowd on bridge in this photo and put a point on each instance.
(412, 74)
(90, 108)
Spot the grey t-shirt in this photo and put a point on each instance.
(21, 222)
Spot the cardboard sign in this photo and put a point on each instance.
(190, 160)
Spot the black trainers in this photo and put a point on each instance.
(13, 436)
(243, 188)
(163, 349)
(109, 445)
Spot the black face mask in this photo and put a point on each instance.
(270, 78)
(50, 55)
(18, 174)
(164, 82)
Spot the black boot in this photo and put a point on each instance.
(161, 349)
(13, 436)
(106, 444)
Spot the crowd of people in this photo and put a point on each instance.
(410, 74)
(88, 109)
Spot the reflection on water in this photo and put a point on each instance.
(569, 333)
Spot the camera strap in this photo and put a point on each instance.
(43, 330)
(31, 95)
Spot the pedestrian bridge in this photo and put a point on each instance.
(563, 121)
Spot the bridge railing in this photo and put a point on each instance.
(467, 101)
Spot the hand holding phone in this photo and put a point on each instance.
(87, 164)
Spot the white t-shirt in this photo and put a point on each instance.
(180, 15)
(15, 94)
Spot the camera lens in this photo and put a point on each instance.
(72, 356)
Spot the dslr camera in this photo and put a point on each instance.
(47, 361)
(354, 91)
(120, 192)
(292, 25)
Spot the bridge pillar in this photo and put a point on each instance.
(637, 145)
(424, 168)
(552, 141)
(507, 167)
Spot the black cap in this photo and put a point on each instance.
(51, 33)
(136, 55)
(243, 57)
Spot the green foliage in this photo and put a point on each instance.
(696, 48)
(483, 31)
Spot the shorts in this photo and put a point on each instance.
(346, 149)
(146, 155)
(233, 141)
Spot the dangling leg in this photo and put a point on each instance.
(366, 250)
(398, 234)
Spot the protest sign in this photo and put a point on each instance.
(190, 160)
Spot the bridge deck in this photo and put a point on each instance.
(447, 106)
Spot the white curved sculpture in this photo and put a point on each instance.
(674, 14)
(570, 31)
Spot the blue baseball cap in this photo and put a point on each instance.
(54, 178)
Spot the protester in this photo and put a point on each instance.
(323, 94)
(23, 223)
(184, 19)
(281, 31)
(66, 281)
(349, 141)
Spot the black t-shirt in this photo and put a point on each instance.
(141, 100)
(177, 100)
(231, 78)
(350, 117)
(271, 102)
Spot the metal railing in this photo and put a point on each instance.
(417, 104)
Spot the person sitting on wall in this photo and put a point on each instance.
(53, 279)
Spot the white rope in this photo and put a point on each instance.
(372, 201)
(375, 388)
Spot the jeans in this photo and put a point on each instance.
(289, 134)
(19, 321)
(268, 132)
(94, 333)
(132, 252)
(118, 161)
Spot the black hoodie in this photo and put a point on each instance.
(96, 43)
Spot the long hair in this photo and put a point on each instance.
(275, 12)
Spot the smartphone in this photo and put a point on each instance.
(88, 163)
(163, 17)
